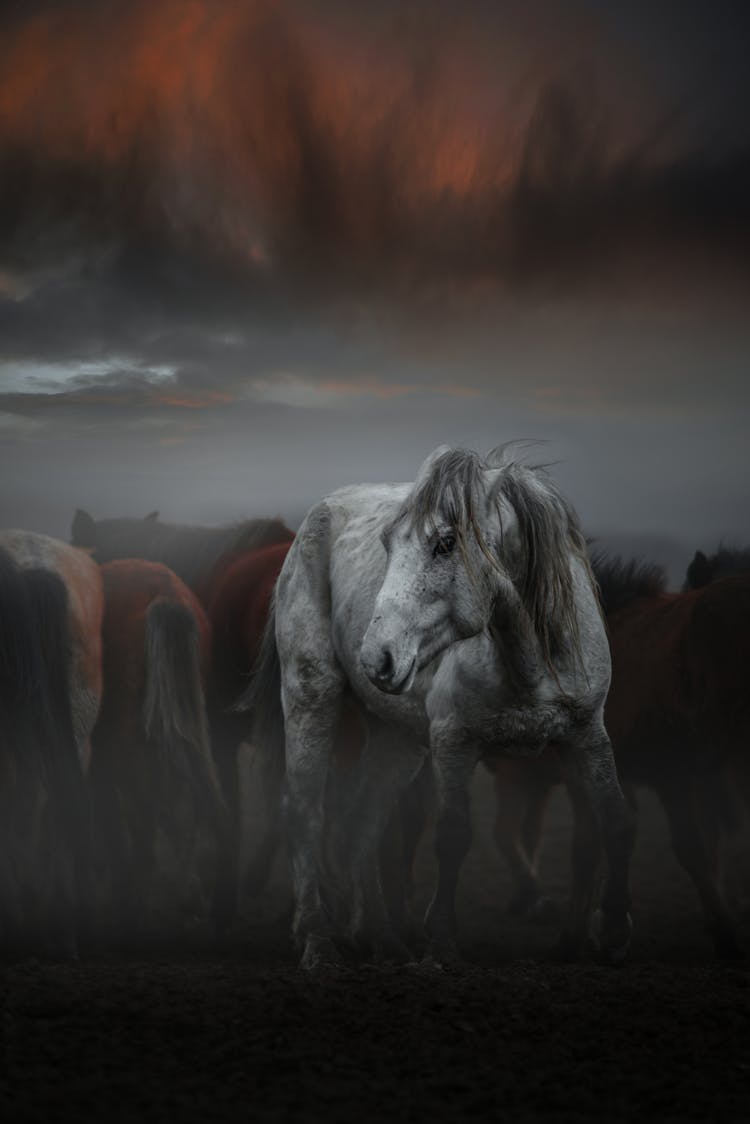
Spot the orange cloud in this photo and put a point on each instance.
(226, 115)
(196, 401)
(379, 389)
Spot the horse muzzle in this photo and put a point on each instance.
(386, 671)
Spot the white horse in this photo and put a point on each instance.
(461, 611)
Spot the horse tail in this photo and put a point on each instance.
(262, 698)
(38, 732)
(174, 710)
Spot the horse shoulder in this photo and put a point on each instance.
(464, 675)
(303, 596)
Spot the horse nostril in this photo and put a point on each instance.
(385, 667)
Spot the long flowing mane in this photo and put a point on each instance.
(548, 528)
(623, 581)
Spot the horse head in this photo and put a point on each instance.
(474, 541)
(83, 530)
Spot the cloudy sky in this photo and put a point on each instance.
(251, 250)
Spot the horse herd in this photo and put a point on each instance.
(404, 634)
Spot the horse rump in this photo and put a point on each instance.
(45, 808)
(262, 701)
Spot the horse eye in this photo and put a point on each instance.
(444, 545)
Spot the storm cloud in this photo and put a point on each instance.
(318, 221)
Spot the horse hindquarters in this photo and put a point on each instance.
(176, 732)
(46, 820)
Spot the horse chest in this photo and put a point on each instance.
(473, 701)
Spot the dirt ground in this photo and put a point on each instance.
(240, 1033)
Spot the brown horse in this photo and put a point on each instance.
(678, 715)
(152, 766)
(50, 686)
(197, 554)
(222, 566)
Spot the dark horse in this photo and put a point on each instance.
(232, 571)
(196, 554)
(678, 715)
(151, 764)
(703, 571)
(725, 563)
(50, 686)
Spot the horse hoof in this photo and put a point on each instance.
(441, 957)
(612, 947)
(319, 953)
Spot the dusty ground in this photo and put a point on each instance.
(240, 1033)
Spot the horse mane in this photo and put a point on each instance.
(548, 528)
(623, 581)
(725, 563)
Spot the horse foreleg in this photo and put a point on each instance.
(399, 850)
(389, 765)
(601, 815)
(452, 769)
(310, 733)
(61, 939)
(225, 746)
(521, 794)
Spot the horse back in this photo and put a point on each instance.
(678, 661)
(646, 643)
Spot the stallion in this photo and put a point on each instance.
(679, 719)
(152, 766)
(51, 608)
(460, 611)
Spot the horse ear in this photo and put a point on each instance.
(83, 529)
(699, 571)
(151, 517)
(429, 463)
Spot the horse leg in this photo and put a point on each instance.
(225, 747)
(142, 865)
(521, 801)
(585, 860)
(453, 766)
(399, 849)
(387, 767)
(110, 833)
(272, 788)
(601, 815)
(693, 855)
(310, 733)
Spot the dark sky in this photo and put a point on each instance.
(250, 251)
